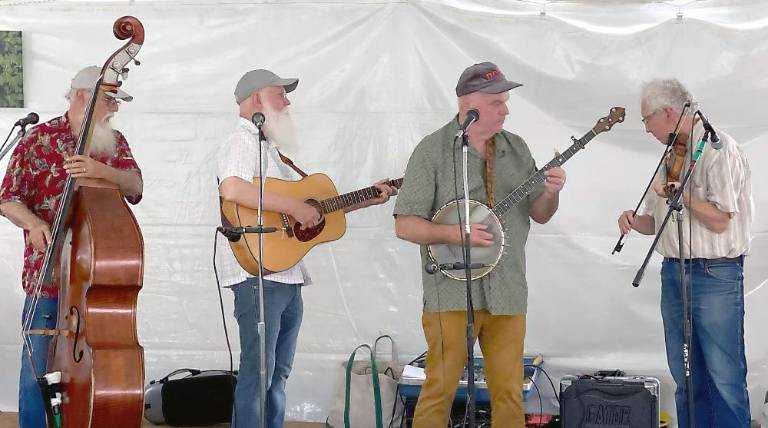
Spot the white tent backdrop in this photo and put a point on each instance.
(376, 76)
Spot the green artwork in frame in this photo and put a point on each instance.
(11, 77)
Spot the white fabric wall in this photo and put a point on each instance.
(375, 78)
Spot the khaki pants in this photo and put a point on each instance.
(501, 340)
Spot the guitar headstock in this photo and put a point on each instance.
(606, 123)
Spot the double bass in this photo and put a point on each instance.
(96, 254)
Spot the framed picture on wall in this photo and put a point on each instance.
(11, 77)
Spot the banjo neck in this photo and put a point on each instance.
(525, 189)
(528, 186)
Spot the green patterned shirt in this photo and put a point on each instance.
(429, 184)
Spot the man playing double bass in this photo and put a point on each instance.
(30, 196)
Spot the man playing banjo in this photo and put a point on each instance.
(499, 161)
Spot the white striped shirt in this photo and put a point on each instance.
(238, 156)
(723, 178)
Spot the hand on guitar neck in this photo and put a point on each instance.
(385, 189)
(309, 216)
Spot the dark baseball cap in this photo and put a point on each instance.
(258, 79)
(484, 77)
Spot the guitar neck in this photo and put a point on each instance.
(348, 199)
(525, 189)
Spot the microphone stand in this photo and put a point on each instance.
(676, 206)
(467, 266)
(261, 326)
(233, 234)
(468, 276)
(3, 149)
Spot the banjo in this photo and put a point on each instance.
(489, 257)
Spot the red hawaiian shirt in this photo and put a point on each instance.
(36, 178)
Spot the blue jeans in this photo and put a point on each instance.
(718, 363)
(31, 410)
(283, 311)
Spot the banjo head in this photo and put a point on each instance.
(489, 256)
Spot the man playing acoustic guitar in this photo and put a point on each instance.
(237, 166)
(499, 161)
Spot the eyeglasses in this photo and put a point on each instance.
(111, 102)
(648, 116)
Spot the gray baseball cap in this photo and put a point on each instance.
(86, 79)
(484, 77)
(258, 79)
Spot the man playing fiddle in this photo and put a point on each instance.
(717, 216)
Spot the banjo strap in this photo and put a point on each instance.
(490, 156)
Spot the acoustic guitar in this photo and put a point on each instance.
(286, 247)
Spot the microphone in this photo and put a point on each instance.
(432, 267)
(472, 116)
(31, 119)
(716, 143)
(233, 234)
(258, 119)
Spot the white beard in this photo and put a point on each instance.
(103, 139)
(280, 130)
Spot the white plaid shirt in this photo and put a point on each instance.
(722, 177)
(238, 156)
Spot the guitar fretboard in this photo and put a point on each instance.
(530, 183)
(348, 199)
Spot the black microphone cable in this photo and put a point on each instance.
(224, 323)
(538, 391)
(541, 403)
(541, 369)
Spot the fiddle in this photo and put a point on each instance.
(675, 159)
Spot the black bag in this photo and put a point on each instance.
(610, 402)
(200, 398)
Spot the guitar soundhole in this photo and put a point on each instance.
(309, 233)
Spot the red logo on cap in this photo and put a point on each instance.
(493, 74)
